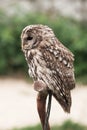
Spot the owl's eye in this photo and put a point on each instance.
(29, 38)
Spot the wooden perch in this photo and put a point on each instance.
(41, 101)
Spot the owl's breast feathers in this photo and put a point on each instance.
(52, 63)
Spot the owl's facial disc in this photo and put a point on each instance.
(29, 41)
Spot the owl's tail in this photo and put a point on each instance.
(64, 101)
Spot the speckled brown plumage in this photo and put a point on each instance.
(49, 61)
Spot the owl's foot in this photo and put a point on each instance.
(40, 86)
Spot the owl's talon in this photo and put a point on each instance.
(40, 86)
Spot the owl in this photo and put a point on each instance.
(49, 62)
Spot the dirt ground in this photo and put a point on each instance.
(18, 105)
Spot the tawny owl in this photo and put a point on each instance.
(49, 61)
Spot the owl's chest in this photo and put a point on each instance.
(36, 64)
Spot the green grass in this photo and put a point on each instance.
(37, 127)
(68, 125)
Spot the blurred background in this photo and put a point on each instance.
(68, 19)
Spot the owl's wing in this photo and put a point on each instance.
(59, 61)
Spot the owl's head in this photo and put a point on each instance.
(32, 35)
